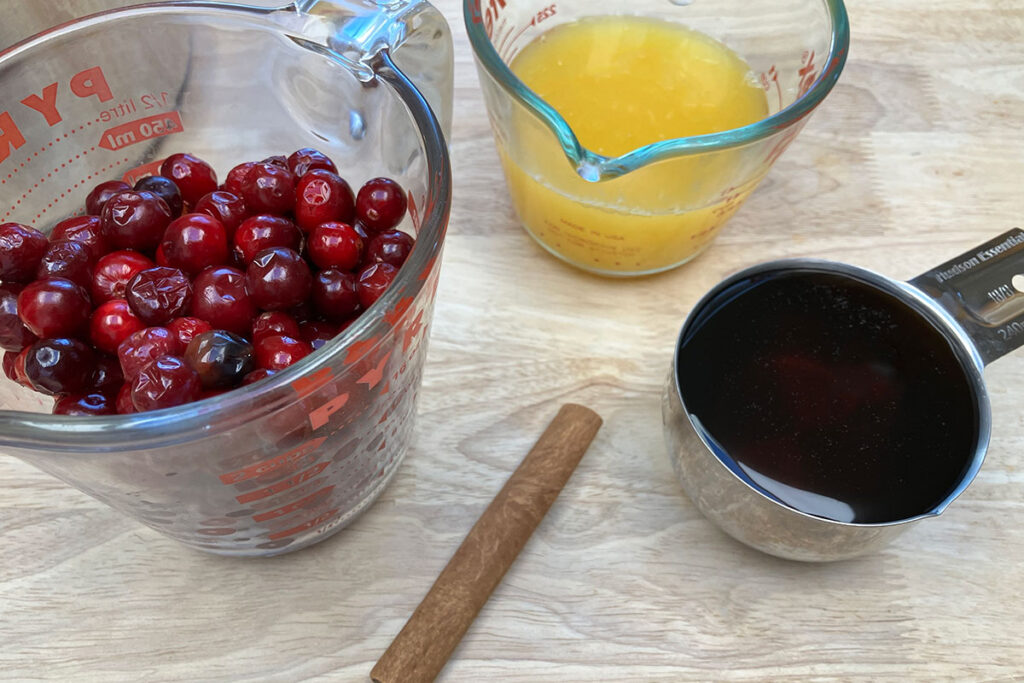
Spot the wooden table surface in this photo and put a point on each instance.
(916, 156)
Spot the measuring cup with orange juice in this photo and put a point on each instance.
(630, 132)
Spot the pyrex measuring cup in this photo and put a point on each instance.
(971, 308)
(282, 463)
(657, 206)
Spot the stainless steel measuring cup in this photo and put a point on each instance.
(975, 302)
(285, 462)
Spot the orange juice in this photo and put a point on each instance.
(622, 82)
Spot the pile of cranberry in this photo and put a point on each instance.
(179, 288)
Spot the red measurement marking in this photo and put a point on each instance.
(261, 468)
(317, 521)
(373, 377)
(140, 130)
(412, 331)
(360, 348)
(292, 507)
(133, 175)
(321, 416)
(394, 316)
(304, 386)
(284, 485)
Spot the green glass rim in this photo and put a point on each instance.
(594, 167)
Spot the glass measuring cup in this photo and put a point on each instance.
(280, 464)
(658, 206)
(972, 306)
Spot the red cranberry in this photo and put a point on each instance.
(335, 294)
(193, 176)
(322, 196)
(373, 281)
(114, 271)
(143, 346)
(304, 312)
(102, 193)
(256, 375)
(318, 333)
(111, 323)
(220, 358)
(59, 366)
(381, 204)
(164, 188)
(361, 231)
(389, 246)
(21, 249)
(124, 403)
(276, 160)
(221, 299)
(85, 230)
(54, 307)
(135, 220)
(20, 376)
(276, 352)
(107, 375)
(335, 245)
(14, 336)
(164, 383)
(85, 405)
(233, 183)
(278, 278)
(226, 207)
(69, 260)
(185, 329)
(159, 294)
(8, 363)
(268, 188)
(304, 160)
(160, 257)
(195, 241)
(274, 322)
(262, 232)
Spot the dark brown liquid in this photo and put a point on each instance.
(830, 395)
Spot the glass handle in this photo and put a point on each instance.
(414, 32)
(983, 289)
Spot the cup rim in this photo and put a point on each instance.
(168, 426)
(964, 349)
(594, 167)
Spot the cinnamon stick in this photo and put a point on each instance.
(420, 650)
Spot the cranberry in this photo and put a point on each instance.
(102, 193)
(85, 230)
(8, 363)
(256, 375)
(322, 196)
(220, 298)
(143, 346)
(278, 278)
(220, 358)
(373, 281)
(160, 257)
(195, 241)
(274, 322)
(114, 271)
(111, 323)
(59, 366)
(135, 220)
(268, 188)
(164, 188)
(304, 160)
(226, 207)
(20, 376)
(335, 245)
(233, 183)
(54, 307)
(380, 204)
(21, 249)
(69, 260)
(193, 176)
(124, 403)
(276, 160)
(389, 246)
(164, 383)
(361, 231)
(159, 294)
(85, 405)
(14, 336)
(186, 329)
(107, 374)
(335, 294)
(318, 333)
(276, 351)
(262, 232)
(303, 312)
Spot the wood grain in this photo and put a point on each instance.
(917, 155)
